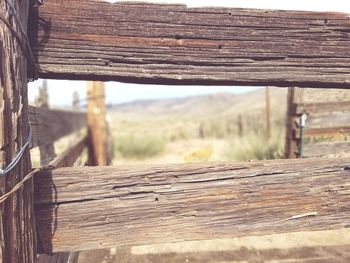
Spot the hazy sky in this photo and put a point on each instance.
(61, 91)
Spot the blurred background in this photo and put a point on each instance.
(175, 124)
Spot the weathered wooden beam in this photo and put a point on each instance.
(99, 207)
(173, 44)
(50, 125)
(97, 124)
(17, 223)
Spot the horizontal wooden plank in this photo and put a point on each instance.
(328, 120)
(173, 44)
(50, 125)
(336, 131)
(99, 207)
(321, 149)
(323, 107)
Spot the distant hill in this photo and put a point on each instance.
(220, 103)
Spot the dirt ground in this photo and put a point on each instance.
(315, 247)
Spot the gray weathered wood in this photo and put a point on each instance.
(50, 125)
(173, 44)
(17, 225)
(99, 207)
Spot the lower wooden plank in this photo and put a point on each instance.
(98, 207)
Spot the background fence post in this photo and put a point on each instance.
(17, 222)
(97, 125)
(268, 110)
(295, 96)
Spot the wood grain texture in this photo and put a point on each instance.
(50, 125)
(100, 207)
(173, 44)
(17, 222)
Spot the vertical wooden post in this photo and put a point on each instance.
(291, 149)
(268, 115)
(97, 125)
(17, 222)
(240, 125)
(76, 99)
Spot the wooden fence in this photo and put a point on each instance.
(161, 44)
(49, 126)
(324, 120)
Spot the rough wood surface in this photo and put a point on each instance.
(99, 207)
(50, 125)
(97, 125)
(326, 148)
(173, 44)
(17, 223)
